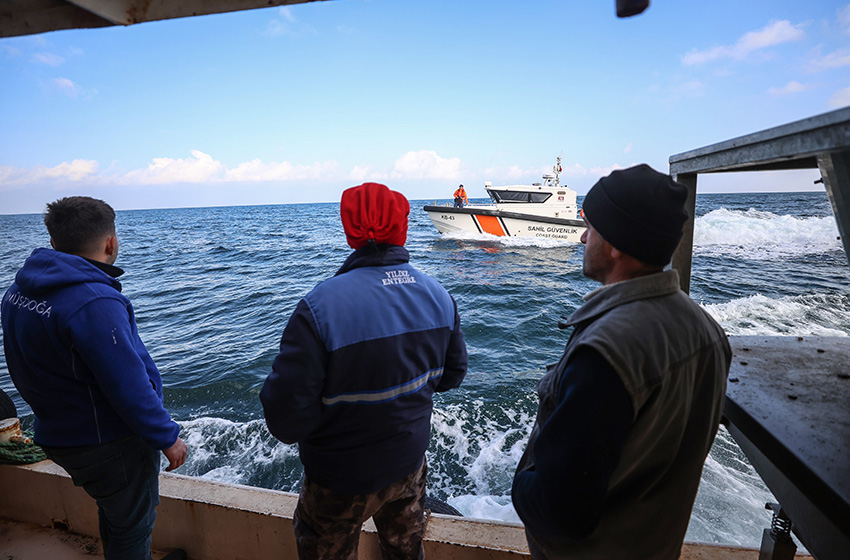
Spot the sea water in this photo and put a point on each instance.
(213, 288)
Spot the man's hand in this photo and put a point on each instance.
(176, 454)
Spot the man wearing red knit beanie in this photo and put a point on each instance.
(359, 362)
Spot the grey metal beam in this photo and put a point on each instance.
(128, 12)
(835, 171)
(27, 17)
(683, 256)
(791, 146)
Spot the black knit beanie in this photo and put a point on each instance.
(639, 211)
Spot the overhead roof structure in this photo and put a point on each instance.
(28, 17)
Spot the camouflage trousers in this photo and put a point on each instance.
(327, 524)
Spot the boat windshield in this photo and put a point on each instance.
(519, 196)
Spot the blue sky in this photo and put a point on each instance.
(296, 104)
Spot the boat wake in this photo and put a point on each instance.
(803, 315)
(756, 234)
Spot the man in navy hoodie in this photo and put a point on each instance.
(75, 355)
(359, 362)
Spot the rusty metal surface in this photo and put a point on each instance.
(27, 17)
(788, 406)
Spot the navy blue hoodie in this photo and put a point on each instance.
(359, 362)
(75, 355)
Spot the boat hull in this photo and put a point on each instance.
(503, 224)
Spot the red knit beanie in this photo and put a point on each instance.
(372, 211)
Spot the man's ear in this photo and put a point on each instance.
(110, 247)
(616, 254)
(52, 244)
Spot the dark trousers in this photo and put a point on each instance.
(534, 548)
(458, 202)
(327, 524)
(123, 478)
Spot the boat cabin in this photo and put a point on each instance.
(510, 195)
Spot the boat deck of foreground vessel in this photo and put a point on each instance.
(219, 521)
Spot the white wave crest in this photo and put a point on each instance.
(484, 443)
(805, 315)
(760, 235)
(229, 451)
(499, 508)
(729, 506)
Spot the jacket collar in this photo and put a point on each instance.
(608, 297)
(110, 269)
(375, 255)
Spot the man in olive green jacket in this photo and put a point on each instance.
(629, 413)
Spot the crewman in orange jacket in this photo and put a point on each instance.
(460, 197)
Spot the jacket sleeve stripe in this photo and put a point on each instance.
(375, 397)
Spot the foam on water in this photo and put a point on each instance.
(475, 447)
(471, 439)
(476, 441)
(239, 453)
(756, 234)
(802, 315)
(729, 493)
(497, 508)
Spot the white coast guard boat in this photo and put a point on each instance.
(547, 209)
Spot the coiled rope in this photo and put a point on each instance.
(21, 453)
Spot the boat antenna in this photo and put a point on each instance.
(557, 170)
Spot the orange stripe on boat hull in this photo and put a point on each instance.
(491, 225)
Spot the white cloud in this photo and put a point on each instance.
(514, 172)
(256, 171)
(628, 147)
(286, 13)
(363, 173)
(48, 58)
(286, 24)
(200, 168)
(844, 18)
(10, 52)
(789, 88)
(76, 170)
(425, 164)
(67, 87)
(775, 33)
(841, 98)
(691, 89)
(576, 170)
(37, 40)
(277, 27)
(835, 59)
(503, 175)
